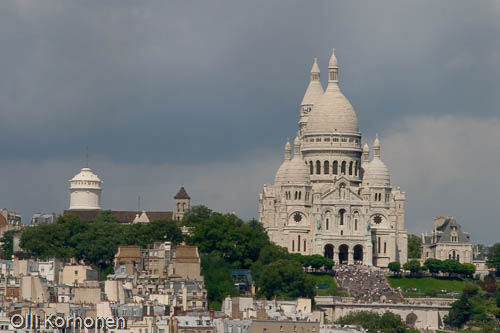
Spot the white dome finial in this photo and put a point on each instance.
(333, 63)
(315, 68)
(376, 146)
(288, 150)
(296, 147)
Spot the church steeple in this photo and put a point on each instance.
(333, 69)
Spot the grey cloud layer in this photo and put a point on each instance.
(160, 87)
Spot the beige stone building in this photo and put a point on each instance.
(330, 198)
(185, 263)
(129, 256)
(447, 241)
(73, 275)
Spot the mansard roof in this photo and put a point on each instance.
(445, 231)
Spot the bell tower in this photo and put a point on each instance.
(182, 203)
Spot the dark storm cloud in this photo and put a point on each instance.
(161, 86)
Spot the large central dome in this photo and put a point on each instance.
(333, 112)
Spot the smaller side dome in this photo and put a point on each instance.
(376, 172)
(297, 172)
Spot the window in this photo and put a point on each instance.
(326, 167)
(378, 245)
(385, 247)
(335, 167)
(342, 168)
(298, 244)
(311, 167)
(327, 224)
(355, 224)
(350, 168)
(341, 216)
(293, 245)
(318, 167)
(356, 168)
(304, 245)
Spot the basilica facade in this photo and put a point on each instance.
(330, 197)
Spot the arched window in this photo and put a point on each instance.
(311, 167)
(378, 245)
(327, 224)
(342, 168)
(300, 195)
(335, 167)
(293, 245)
(178, 206)
(341, 216)
(298, 244)
(356, 168)
(304, 245)
(183, 206)
(385, 247)
(326, 167)
(296, 195)
(355, 224)
(350, 168)
(318, 167)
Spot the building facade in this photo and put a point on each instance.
(330, 198)
(447, 241)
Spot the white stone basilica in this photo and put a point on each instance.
(330, 199)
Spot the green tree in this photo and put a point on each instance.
(451, 266)
(7, 241)
(285, 278)
(413, 266)
(434, 266)
(467, 270)
(374, 322)
(217, 276)
(234, 240)
(395, 267)
(493, 260)
(197, 214)
(460, 312)
(414, 247)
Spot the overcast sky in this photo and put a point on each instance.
(205, 93)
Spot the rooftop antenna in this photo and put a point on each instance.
(87, 157)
